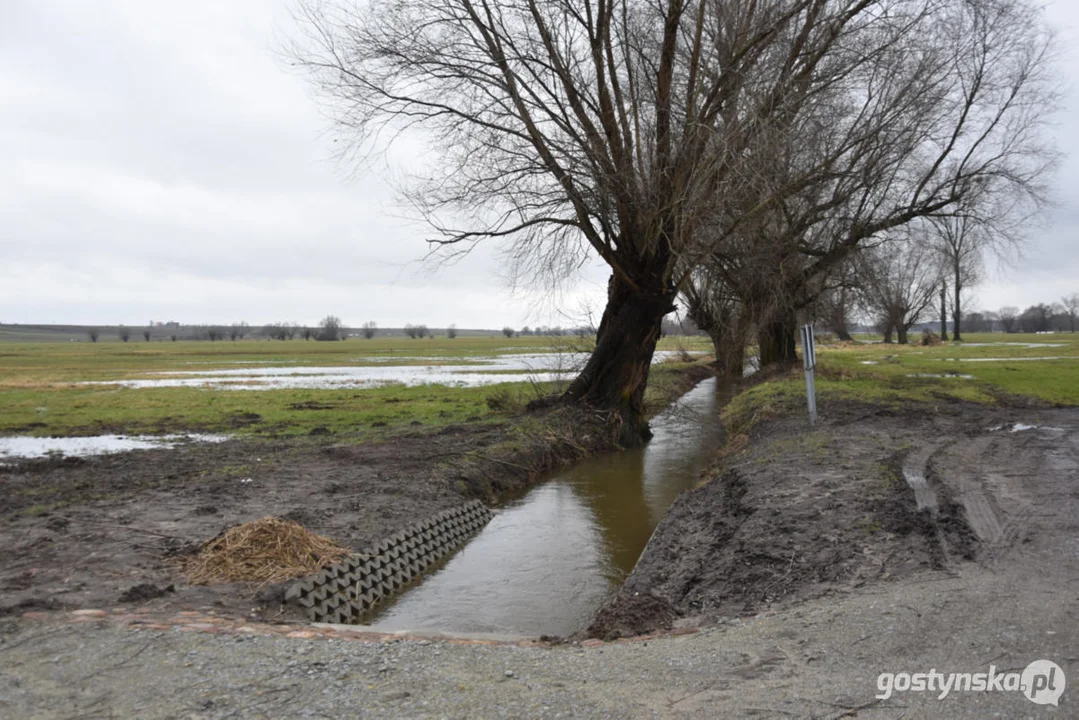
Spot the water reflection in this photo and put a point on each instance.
(38, 447)
(546, 562)
(479, 371)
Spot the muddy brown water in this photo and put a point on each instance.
(548, 560)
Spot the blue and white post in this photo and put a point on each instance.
(809, 359)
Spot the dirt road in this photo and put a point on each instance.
(820, 659)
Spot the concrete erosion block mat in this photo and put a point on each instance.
(342, 593)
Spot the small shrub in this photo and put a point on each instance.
(502, 400)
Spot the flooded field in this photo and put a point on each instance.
(22, 447)
(476, 372)
(1013, 344)
(1006, 359)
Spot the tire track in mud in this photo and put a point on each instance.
(975, 510)
(945, 522)
(981, 509)
(995, 509)
(988, 474)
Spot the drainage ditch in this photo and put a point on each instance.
(543, 563)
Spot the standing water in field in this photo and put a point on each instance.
(23, 447)
(547, 561)
(465, 372)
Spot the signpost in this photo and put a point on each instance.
(809, 359)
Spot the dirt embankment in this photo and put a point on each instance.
(799, 513)
(101, 532)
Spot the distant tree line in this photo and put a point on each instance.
(331, 328)
(1039, 318)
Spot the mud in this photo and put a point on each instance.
(99, 531)
(102, 531)
(801, 513)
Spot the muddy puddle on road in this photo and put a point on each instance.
(546, 562)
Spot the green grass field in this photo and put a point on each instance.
(41, 391)
(899, 374)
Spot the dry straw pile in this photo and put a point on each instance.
(264, 551)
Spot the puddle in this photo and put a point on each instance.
(914, 472)
(941, 375)
(870, 362)
(1012, 344)
(479, 371)
(238, 362)
(1021, 427)
(20, 447)
(545, 563)
(1013, 359)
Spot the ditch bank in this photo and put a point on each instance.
(106, 531)
(789, 513)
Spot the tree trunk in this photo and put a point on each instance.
(735, 351)
(956, 311)
(840, 320)
(616, 374)
(729, 342)
(716, 325)
(943, 312)
(888, 333)
(776, 339)
(726, 328)
(901, 332)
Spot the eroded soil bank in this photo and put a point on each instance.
(791, 513)
(101, 531)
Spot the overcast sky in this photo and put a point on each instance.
(157, 162)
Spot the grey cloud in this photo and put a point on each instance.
(160, 161)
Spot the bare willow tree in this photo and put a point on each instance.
(985, 222)
(899, 280)
(944, 112)
(1070, 304)
(1008, 316)
(717, 310)
(835, 304)
(572, 127)
(331, 329)
(621, 128)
